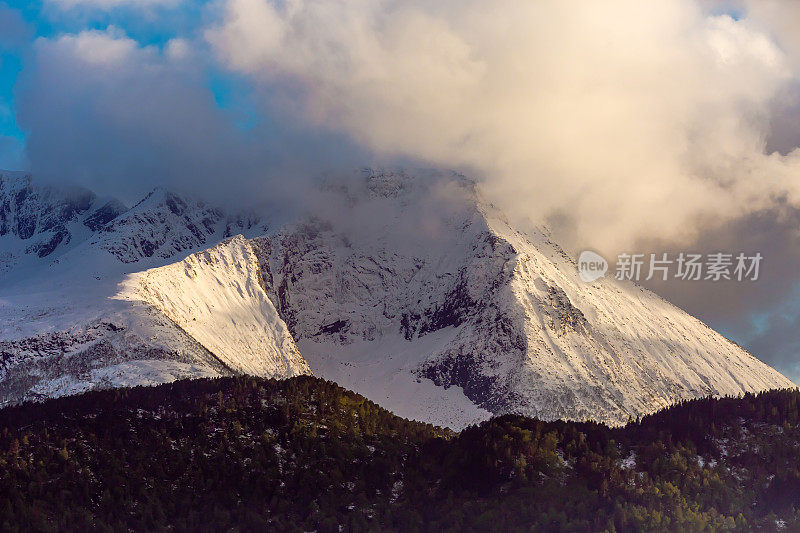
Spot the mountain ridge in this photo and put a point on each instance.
(405, 286)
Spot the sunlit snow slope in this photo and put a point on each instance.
(217, 297)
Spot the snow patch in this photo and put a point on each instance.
(147, 372)
(383, 371)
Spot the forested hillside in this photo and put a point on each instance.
(305, 454)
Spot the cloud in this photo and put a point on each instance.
(121, 118)
(620, 120)
(105, 111)
(14, 31)
(111, 4)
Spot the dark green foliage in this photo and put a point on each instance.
(305, 454)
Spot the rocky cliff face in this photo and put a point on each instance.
(38, 221)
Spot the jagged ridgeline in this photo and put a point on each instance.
(305, 454)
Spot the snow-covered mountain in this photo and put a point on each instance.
(109, 307)
(499, 314)
(406, 287)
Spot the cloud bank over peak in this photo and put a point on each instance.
(619, 120)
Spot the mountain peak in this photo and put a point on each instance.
(161, 196)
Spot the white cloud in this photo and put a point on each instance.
(111, 4)
(110, 48)
(178, 49)
(627, 119)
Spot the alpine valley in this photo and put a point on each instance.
(406, 287)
